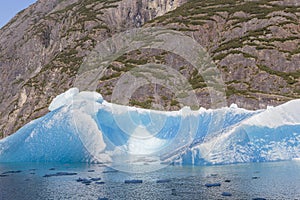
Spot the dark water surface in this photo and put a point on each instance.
(280, 180)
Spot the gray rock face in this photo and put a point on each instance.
(255, 45)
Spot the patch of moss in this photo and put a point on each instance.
(114, 75)
(174, 102)
(145, 104)
(137, 62)
(221, 56)
(289, 77)
(232, 90)
(196, 80)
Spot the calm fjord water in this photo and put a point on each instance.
(278, 180)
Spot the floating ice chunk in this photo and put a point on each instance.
(110, 171)
(95, 179)
(213, 184)
(133, 181)
(174, 193)
(100, 182)
(61, 174)
(226, 194)
(12, 172)
(163, 181)
(80, 180)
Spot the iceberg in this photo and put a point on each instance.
(83, 127)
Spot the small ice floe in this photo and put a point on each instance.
(84, 181)
(226, 194)
(174, 193)
(163, 181)
(100, 182)
(110, 171)
(213, 184)
(89, 181)
(61, 174)
(80, 179)
(133, 181)
(95, 179)
(12, 172)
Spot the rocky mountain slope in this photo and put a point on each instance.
(255, 44)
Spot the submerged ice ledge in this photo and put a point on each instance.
(82, 127)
